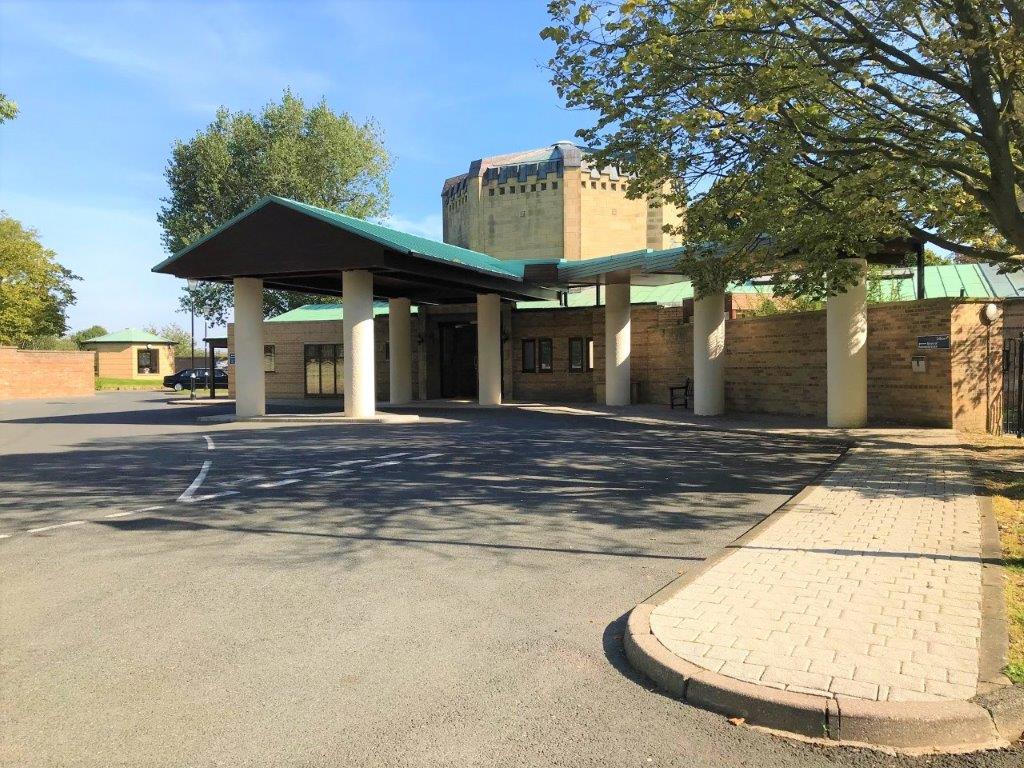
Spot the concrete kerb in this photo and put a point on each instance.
(991, 720)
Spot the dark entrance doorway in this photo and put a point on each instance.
(458, 360)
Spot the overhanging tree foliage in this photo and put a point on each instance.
(812, 127)
(35, 291)
(312, 155)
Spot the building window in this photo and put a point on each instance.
(583, 184)
(590, 354)
(533, 187)
(604, 185)
(324, 369)
(613, 187)
(269, 358)
(490, 192)
(544, 357)
(543, 186)
(529, 356)
(577, 354)
(593, 185)
(554, 185)
(149, 361)
(501, 191)
(512, 189)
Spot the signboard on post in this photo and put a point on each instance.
(940, 341)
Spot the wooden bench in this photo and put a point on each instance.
(680, 392)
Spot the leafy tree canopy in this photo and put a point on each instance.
(312, 155)
(182, 341)
(809, 127)
(8, 109)
(35, 291)
(88, 333)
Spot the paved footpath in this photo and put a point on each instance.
(870, 586)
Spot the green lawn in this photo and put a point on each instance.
(108, 383)
(996, 461)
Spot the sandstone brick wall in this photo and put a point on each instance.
(561, 384)
(976, 368)
(287, 381)
(45, 373)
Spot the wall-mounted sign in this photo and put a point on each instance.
(940, 341)
(231, 358)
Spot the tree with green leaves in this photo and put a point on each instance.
(799, 131)
(8, 109)
(182, 341)
(312, 155)
(88, 333)
(35, 290)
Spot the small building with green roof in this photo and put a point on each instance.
(131, 353)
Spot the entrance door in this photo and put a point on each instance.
(458, 360)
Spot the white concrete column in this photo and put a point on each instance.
(400, 344)
(357, 309)
(709, 355)
(250, 392)
(846, 318)
(616, 344)
(488, 348)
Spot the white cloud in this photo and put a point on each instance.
(199, 57)
(429, 226)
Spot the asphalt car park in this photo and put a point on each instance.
(450, 592)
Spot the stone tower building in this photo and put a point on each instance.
(550, 203)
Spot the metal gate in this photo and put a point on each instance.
(1013, 386)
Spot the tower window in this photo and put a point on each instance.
(543, 186)
(583, 184)
(554, 185)
(603, 185)
(533, 187)
(512, 189)
(490, 192)
(522, 187)
(501, 191)
(613, 187)
(593, 185)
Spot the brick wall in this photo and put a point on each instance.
(561, 384)
(45, 373)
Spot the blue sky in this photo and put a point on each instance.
(105, 88)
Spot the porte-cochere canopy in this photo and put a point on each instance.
(299, 247)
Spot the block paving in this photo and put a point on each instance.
(870, 586)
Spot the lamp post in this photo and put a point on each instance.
(192, 283)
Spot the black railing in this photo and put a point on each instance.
(1013, 386)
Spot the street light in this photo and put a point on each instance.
(192, 283)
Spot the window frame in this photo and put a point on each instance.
(528, 363)
(154, 358)
(541, 344)
(271, 350)
(581, 342)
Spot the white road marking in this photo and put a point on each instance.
(58, 525)
(394, 455)
(425, 456)
(335, 472)
(350, 461)
(209, 443)
(5, 535)
(381, 464)
(135, 511)
(300, 471)
(209, 496)
(191, 490)
(279, 483)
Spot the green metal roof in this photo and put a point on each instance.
(403, 242)
(319, 312)
(129, 336)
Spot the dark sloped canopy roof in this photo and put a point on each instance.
(299, 247)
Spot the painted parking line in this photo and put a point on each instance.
(300, 471)
(350, 461)
(53, 527)
(380, 464)
(425, 456)
(335, 472)
(394, 455)
(208, 497)
(191, 490)
(135, 511)
(209, 443)
(279, 483)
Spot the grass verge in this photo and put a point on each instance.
(998, 464)
(103, 382)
